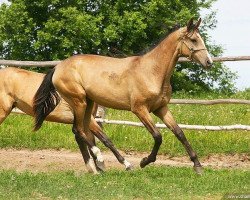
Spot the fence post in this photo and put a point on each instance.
(101, 113)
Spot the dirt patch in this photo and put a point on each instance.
(52, 160)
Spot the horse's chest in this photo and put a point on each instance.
(166, 90)
(163, 93)
(159, 97)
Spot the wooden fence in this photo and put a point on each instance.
(173, 101)
(53, 63)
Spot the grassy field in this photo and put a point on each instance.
(149, 183)
(16, 131)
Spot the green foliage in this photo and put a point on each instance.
(51, 30)
(149, 183)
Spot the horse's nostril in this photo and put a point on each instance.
(209, 63)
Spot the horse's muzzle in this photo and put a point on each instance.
(209, 63)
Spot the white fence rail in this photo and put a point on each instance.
(209, 102)
(183, 126)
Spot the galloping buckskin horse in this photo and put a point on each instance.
(17, 89)
(140, 84)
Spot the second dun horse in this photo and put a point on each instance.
(140, 84)
(17, 90)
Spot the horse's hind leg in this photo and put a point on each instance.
(165, 115)
(5, 108)
(92, 125)
(75, 96)
(79, 113)
(99, 163)
(84, 151)
(97, 131)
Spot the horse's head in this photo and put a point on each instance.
(193, 46)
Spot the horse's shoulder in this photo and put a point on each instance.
(7, 73)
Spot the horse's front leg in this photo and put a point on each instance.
(165, 115)
(143, 114)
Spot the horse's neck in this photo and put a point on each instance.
(163, 59)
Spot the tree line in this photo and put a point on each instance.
(52, 30)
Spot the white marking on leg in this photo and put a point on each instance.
(97, 153)
(127, 164)
(91, 166)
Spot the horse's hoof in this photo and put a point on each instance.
(91, 171)
(129, 168)
(198, 170)
(100, 166)
(144, 162)
(128, 165)
(96, 173)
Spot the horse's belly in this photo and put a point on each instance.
(61, 114)
(115, 105)
(110, 98)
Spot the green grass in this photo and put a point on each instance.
(149, 183)
(16, 132)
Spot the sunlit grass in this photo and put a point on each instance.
(16, 132)
(149, 183)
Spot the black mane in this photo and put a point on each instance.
(158, 41)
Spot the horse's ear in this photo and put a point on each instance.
(197, 24)
(190, 25)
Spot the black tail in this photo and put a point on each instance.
(45, 100)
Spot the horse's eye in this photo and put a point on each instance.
(194, 40)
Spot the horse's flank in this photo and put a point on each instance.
(17, 89)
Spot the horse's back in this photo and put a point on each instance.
(19, 81)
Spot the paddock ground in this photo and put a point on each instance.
(63, 160)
